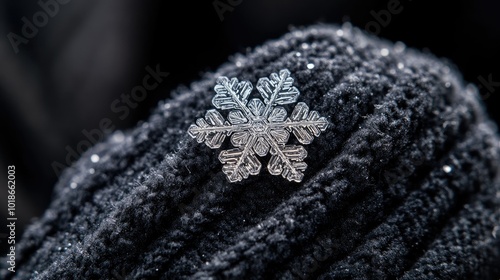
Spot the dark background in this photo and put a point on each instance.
(65, 78)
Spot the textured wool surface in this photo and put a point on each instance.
(403, 184)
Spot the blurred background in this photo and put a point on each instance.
(64, 64)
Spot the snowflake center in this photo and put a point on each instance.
(259, 126)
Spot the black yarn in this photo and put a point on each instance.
(404, 183)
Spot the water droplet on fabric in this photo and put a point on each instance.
(495, 231)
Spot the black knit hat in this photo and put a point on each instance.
(403, 184)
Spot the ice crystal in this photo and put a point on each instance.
(259, 127)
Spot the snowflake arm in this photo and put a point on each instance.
(287, 161)
(232, 94)
(277, 90)
(238, 163)
(213, 129)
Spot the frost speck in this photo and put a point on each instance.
(258, 128)
(495, 231)
(118, 135)
(94, 158)
(310, 66)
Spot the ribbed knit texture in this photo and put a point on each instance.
(403, 184)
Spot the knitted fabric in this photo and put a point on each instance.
(403, 184)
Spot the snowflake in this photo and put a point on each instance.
(258, 128)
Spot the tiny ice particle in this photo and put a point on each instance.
(401, 65)
(94, 158)
(119, 137)
(384, 52)
(73, 185)
(447, 168)
(340, 32)
(310, 66)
